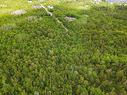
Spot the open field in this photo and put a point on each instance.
(80, 50)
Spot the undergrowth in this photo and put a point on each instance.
(38, 57)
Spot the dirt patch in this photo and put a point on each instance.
(18, 12)
(70, 18)
(37, 7)
(34, 18)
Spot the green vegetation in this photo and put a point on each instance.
(38, 57)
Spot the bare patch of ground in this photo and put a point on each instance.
(70, 18)
(18, 12)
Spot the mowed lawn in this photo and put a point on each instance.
(38, 56)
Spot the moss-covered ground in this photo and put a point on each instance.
(38, 57)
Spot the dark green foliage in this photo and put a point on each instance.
(40, 57)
